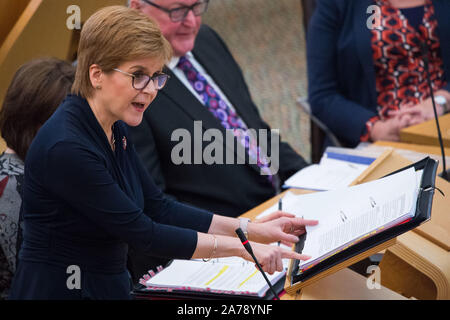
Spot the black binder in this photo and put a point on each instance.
(423, 213)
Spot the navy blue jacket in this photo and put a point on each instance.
(84, 204)
(341, 72)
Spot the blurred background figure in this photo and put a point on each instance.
(35, 92)
(366, 73)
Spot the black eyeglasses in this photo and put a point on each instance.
(180, 13)
(141, 81)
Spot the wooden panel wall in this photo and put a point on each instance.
(39, 31)
(10, 11)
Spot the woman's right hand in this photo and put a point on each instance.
(389, 129)
(270, 256)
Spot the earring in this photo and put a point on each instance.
(98, 87)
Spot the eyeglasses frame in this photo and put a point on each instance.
(189, 8)
(151, 78)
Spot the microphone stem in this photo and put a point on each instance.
(441, 144)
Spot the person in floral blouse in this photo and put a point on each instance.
(367, 65)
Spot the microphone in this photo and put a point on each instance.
(424, 52)
(248, 247)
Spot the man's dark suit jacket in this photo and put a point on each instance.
(224, 189)
(341, 72)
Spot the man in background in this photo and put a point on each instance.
(202, 60)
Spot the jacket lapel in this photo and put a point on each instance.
(185, 100)
(181, 96)
(225, 80)
(98, 136)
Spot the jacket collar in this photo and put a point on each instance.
(97, 136)
(90, 123)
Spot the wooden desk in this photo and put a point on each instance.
(426, 133)
(342, 285)
(403, 148)
(31, 29)
(422, 148)
(416, 267)
(25, 40)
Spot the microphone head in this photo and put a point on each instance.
(241, 235)
(244, 240)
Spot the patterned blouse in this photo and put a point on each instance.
(398, 59)
(11, 181)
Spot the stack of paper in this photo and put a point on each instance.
(349, 215)
(338, 168)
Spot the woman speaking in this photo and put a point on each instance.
(87, 197)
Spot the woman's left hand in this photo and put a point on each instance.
(284, 229)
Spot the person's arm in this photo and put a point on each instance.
(79, 177)
(282, 227)
(269, 257)
(166, 210)
(389, 129)
(221, 242)
(345, 118)
(422, 111)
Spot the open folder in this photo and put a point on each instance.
(357, 221)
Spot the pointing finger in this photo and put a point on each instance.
(294, 255)
(304, 222)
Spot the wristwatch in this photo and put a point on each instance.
(442, 101)
(243, 224)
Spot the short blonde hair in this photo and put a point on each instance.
(114, 35)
